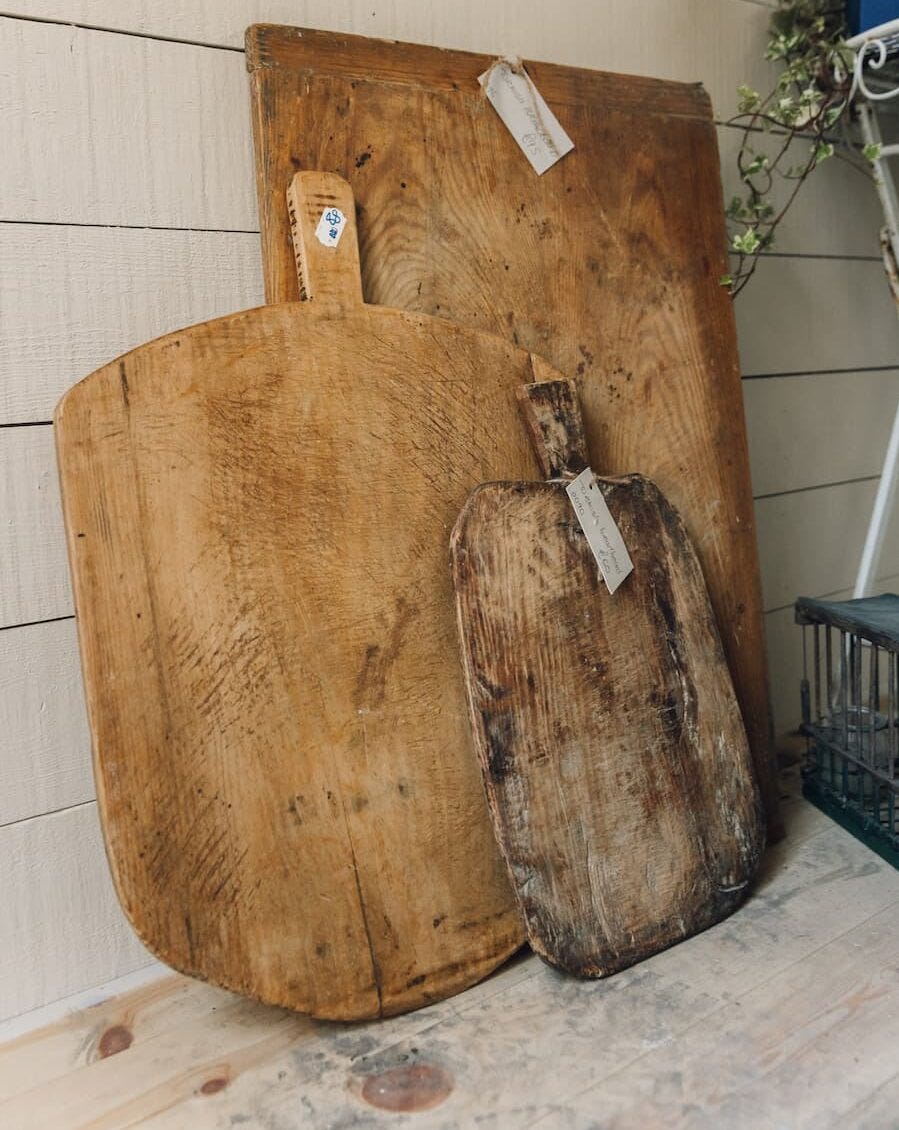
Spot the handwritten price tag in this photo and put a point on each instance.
(600, 529)
(527, 117)
(330, 227)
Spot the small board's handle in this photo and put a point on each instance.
(552, 412)
(325, 242)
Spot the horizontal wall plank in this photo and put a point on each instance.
(73, 298)
(116, 129)
(810, 542)
(836, 212)
(803, 315)
(172, 148)
(720, 44)
(783, 639)
(61, 929)
(34, 578)
(812, 430)
(47, 765)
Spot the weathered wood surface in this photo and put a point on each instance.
(71, 297)
(784, 1015)
(257, 512)
(607, 265)
(613, 753)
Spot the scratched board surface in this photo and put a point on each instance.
(612, 750)
(607, 264)
(258, 511)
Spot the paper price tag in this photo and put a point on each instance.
(330, 227)
(534, 126)
(600, 529)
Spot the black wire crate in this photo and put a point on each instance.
(850, 714)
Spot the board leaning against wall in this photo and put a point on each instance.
(128, 209)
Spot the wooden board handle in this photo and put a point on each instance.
(552, 412)
(325, 241)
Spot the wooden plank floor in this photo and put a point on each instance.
(785, 1016)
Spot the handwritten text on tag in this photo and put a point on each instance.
(526, 115)
(600, 529)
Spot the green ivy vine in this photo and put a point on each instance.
(787, 133)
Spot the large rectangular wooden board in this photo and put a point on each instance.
(607, 265)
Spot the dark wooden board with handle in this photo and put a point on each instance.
(607, 265)
(257, 512)
(611, 744)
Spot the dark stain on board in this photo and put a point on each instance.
(371, 682)
(499, 735)
(123, 381)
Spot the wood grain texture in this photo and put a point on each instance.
(46, 762)
(613, 35)
(845, 303)
(164, 124)
(725, 1030)
(34, 584)
(551, 413)
(608, 267)
(820, 451)
(102, 1029)
(54, 872)
(811, 431)
(181, 94)
(72, 297)
(611, 744)
(817, 548)
(257, 512)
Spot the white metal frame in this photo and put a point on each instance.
(871, 50)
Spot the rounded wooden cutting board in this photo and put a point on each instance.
(258, 511)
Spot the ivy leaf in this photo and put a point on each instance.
(756, 166)
(823, 150)
(747, 243)
(749, 99)
(726, 280)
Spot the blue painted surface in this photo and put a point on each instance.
(863, 14)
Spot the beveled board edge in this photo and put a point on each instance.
(270, 46)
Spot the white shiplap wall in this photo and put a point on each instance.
(127, 209)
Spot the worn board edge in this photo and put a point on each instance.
(273, 46)
(67, 71)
